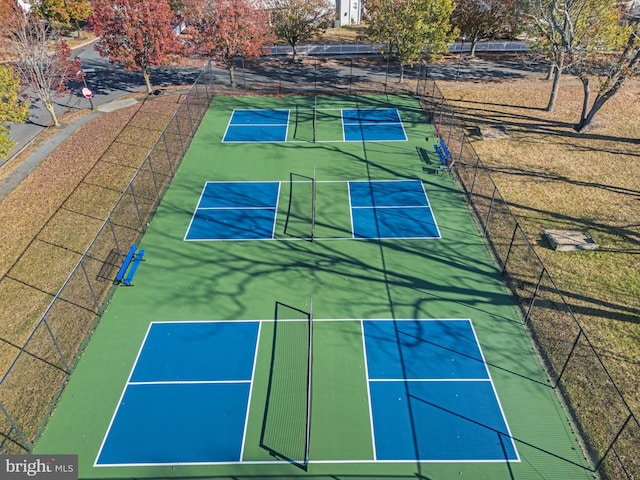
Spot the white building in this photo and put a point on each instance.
(349, 12)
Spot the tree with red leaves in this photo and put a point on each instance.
(226, 29)
(136, 33)
(39, 57)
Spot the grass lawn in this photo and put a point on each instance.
(554, 177)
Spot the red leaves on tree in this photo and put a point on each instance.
(225, 29)
(136, 33)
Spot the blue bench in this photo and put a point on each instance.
(125, 263)
(445, 160)
(134, 267)
(445, 150)
(441, 155)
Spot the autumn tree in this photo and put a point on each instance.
(12, 110)
(135, 33)
(225, 29)
(485, 19)
(42, 61)
(567, 27)
(296, 21)
(409, 29)
(66, 14)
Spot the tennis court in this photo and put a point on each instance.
(313, 301)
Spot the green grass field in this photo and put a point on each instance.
(453, 277)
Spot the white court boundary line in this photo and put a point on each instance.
(188, 382)
(412, 380)
(284, 462)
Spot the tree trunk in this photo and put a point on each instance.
(588, 115)
(78, 30)
(295, 51)
(50, 108)
(401, 79)
(586, 99)
(147, 80)
(551, 71)
(556, 85)
(472, 52)
(232, 74)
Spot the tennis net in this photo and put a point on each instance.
(286, 428)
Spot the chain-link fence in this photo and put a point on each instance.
(609, 429)
(318, 76)
(36, 376)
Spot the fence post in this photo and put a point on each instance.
(566, 363)
(506, 258)
(486, 222)
(135, 204)
(535, 294)
(166, 150)
(93, 293)
(23, 441)
(464, 139)
(615, 439)
(153, 176)
(475, 175)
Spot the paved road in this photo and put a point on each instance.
(107, 82)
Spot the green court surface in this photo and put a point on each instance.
(346, 280)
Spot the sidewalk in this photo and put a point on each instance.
(43, 151)
(8, 184)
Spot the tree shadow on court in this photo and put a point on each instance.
(502, 436)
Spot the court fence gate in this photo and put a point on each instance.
(35, 378)
(609, 429)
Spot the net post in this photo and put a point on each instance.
(309, 384)
(315, 118)
(313, 205)
(315, 115)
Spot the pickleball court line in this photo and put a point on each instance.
(435, 380)
(187, 382)
(283, 462)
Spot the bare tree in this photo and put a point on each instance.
(619, 68)
(40, 58)
(567, 27)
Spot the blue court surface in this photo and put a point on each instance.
(235, 211)
(372, 124)
(431, 395)
(190, 377)
(259, 125)
(391, 209)
(363, 124)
